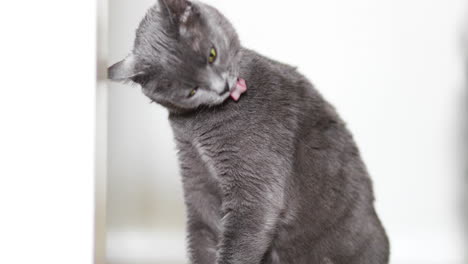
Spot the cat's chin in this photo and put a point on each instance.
(222, 98)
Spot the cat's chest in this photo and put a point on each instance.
(207, 156)
(209, 142)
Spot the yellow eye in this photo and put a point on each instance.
(213, 55)
(193, 92)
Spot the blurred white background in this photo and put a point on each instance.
(395, 72)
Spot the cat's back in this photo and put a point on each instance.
(327, 165)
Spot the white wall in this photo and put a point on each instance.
(394, 69)
(47, 107)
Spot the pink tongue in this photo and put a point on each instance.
(241, 87)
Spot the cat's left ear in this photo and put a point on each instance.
(123, 70)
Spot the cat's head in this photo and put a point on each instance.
(185, 55)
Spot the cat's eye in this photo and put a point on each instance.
(193, 92)
(213, 55)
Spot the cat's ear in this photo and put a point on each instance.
(123, 70)
(181, 12)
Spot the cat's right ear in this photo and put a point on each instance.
(174, 9)
(123, 70)
(182, 13)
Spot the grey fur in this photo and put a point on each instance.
(274, 178)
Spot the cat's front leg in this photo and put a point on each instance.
(203, 233)
(203, 203)
(251, 207)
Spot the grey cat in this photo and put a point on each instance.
(271, 177)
